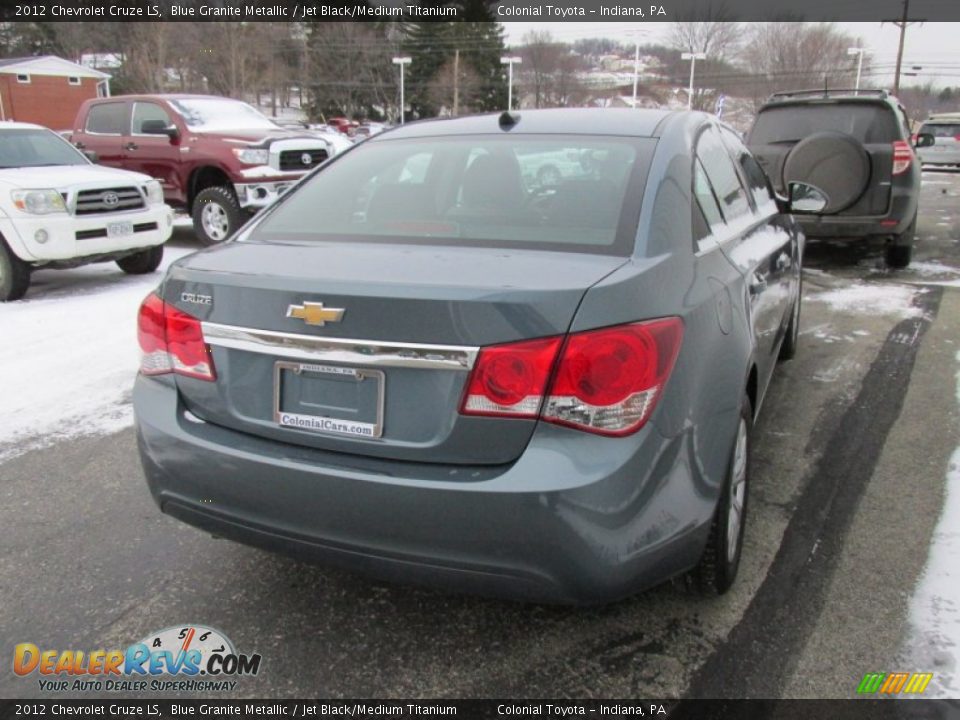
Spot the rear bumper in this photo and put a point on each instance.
(902, 211)
(569, 521)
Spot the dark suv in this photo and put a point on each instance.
(855, 146)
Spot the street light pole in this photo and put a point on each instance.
(859, 52)
(692, 57)
(402, 61)
(509, 61)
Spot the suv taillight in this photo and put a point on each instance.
(902, 157)
(172, 341)
(605, 381)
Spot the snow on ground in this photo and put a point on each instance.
(934, 645)
(69, 353)
(892, 300)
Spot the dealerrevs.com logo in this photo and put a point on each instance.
(182, 658)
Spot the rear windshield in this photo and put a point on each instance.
(572, 193)
(941, 130)
(868, 123)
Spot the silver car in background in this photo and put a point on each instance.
(945, 149)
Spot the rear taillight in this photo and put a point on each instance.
(902, 157)
(510, 380)
(606, 381)
(172, 341)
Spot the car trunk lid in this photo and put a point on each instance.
(384, 374)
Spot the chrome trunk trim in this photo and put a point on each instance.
(339, 350)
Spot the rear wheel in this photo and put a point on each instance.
(900, 250)
(216, 215)
(14, 275)
(718, 566)
(143, 262)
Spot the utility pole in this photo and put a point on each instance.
(456, 82)
(903, 23)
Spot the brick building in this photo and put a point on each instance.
(47, 90)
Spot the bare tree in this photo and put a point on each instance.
(717, 39)
(550, 71)
(787, 56)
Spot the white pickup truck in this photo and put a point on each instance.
(59, 210)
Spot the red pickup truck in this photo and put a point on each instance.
(217, 158)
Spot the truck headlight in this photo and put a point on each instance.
(38, 202)
(154, 192)
(251, 156)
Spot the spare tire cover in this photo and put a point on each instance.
(834, 162)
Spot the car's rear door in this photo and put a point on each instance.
(759, 249)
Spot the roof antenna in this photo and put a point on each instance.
(508, 119)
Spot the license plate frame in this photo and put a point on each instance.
(123, 228)
(322, 425)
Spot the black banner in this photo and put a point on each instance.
(641, 11)
(404, 709)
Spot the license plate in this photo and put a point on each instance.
(119, 229)
(328, 399)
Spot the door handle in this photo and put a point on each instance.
(130, 146)
(758, 284)
(79, 145)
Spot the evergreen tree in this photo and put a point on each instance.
(455, 63)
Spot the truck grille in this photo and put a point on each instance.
(107, 200)
(292, 160)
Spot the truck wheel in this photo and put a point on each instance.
(14, 275)
(718, 566)
(900, 250)
(216, 215)
(143, 262)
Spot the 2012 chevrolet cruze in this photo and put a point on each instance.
(424, 364)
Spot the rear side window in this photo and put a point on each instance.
(573, 194)
(941, 130)
(723, 175)
(756, 179)
(868, 122)
(708, 206)
(107, 119)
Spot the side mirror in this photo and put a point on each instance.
(159, 127)
(805, 199)
(91, 155)
(924, 140)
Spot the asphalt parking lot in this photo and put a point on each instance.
(849, 477)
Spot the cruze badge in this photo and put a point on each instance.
(315, 313)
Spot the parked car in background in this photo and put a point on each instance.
(216, 158)
(413, 366)
(59, 210)
(938, 140)
(369, 129)
(342, 124)
(855, 146)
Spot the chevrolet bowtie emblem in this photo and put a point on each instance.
(315, 313)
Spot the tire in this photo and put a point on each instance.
(833, 162)
(14, 275)
(216, 215)
(718, 566)
(143, 262)
(900, 250)
(788, 349)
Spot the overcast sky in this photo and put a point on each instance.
(935, 46)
